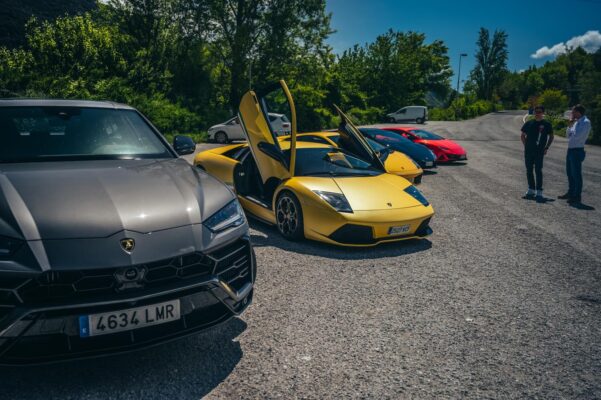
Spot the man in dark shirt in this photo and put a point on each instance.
(537, 136)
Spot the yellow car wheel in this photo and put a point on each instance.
(289, 216)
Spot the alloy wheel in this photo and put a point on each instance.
(287, 216)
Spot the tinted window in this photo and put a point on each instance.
(53, 133)
(311, 138)
(386, 136)
(330, 162)
(237, 152)
(425, 134)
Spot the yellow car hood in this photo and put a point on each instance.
(367, 193)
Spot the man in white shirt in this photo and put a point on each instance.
(577, 133)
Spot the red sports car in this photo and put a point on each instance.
(445, 150)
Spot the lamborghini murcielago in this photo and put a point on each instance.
(341, 195)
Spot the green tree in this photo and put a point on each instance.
(554, 101)
(491, 63)
(397, 69)
(72, 55)
(15, 14)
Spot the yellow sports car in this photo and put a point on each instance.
(334, 194)
(395, 162)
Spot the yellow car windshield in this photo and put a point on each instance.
(331, 162)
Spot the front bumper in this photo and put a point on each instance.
(36, 327)
(367, 228)
(447, 157)
(423, 164)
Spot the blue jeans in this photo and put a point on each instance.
(574, 161)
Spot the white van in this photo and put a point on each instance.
(419, 114)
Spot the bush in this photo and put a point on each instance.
(442, 114)
(365, 116)
(169, 118)
(554, 101)
(460, 109)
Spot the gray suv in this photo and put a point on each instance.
(108, 240)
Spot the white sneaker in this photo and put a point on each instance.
(529, 194)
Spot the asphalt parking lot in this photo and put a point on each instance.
(502, 301)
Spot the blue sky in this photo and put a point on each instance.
(530, 25)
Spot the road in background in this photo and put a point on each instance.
(502, 301)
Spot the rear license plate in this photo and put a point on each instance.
(132, 318)
(397, 230)
(429, 163)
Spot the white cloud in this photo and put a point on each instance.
(590, 42)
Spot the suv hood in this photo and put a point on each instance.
(95, 199)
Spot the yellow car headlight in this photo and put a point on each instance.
(337, 200)
(417, 195)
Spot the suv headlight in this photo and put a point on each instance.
(9, 246)
(336, 200)
(229, 216)
(417, 195)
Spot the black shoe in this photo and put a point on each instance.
(574, 200)
(564, 196)
(540, 199)
(529, 197)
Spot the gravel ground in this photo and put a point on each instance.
(502, 301)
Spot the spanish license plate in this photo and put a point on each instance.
(429, 163)
(132, 318)
(398, 230)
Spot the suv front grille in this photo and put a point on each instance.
(231, 264)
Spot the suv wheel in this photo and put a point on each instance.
(221, 137)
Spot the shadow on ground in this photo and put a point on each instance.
(452, 164)
(581, 206)
(184, 369)
(267, 235)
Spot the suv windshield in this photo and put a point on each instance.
(76, 133)
(425, 134)
(330, 161)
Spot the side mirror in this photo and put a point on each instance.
(183, 145)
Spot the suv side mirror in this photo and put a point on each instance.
(183, 145)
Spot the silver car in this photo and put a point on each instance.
(108, 240)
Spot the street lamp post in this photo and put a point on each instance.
(459, 72)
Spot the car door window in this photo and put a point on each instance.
(312, 139)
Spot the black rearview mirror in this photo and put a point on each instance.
(183, 145)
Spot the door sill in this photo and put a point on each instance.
(258, 201)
